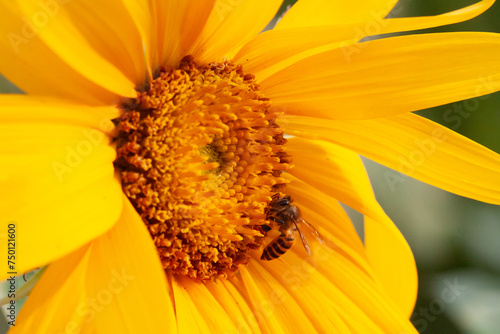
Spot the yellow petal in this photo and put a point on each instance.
(235, 304)
(387, 249)
(104, 287)
(178, 25)
(230, 25)
(326, 290)
(306, 13)
(276, 49)
(413, 23)
(127, 271)
(337, 171)
(416, 147)
(20, 107)
(199, 303)
(285, 46)
(274, 308)
(389, 76)
(25, 52)
(71, 38)
(127, 40)
(286, 293)
(188, 316)
(53, 303)
(392, 259)
(58, 166)
(340, 173)
(142, 50)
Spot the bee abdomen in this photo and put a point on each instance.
(276, 248)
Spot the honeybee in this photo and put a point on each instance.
(289, 219)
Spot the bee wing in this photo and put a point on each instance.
(313, 230)
(304, 240)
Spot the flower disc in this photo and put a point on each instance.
(200, 154)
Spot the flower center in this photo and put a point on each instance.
(200, 156)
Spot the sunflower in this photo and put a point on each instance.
(144, 161)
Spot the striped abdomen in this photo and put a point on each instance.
(276, 248)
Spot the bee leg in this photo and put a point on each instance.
(270, 213)
(266, 228)
(279, 221)
(274, 219)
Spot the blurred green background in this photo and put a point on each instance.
(456, 241)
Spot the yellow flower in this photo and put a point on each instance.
(170, 115)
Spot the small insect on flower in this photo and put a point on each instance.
(289, 219)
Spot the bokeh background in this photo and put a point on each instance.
(456, 241)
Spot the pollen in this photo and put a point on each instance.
(200, 155)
